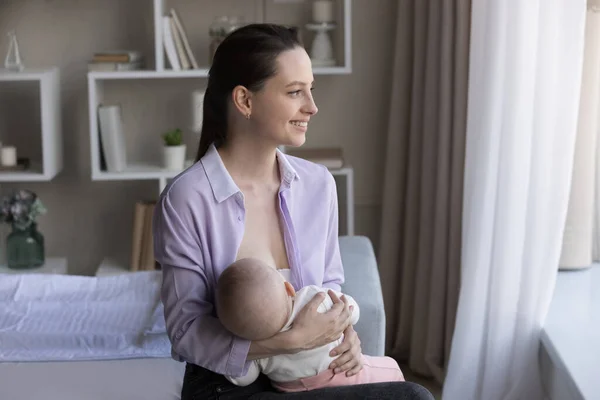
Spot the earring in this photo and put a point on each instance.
(248, 116)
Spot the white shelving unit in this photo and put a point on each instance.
(161, 9)
(190, 73)
(96, 92)
(51, 127)
(96, 82)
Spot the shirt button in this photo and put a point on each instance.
(239, 218)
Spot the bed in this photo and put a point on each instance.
(143, 378)
(134, 367)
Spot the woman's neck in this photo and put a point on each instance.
(250, 163)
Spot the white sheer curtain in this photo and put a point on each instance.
(593, 19)
(525, 71)
(578, 243)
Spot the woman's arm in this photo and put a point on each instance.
(310, 329)
(282, 343)
(196, 336)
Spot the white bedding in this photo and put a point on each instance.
(64, 317)
(139, 379)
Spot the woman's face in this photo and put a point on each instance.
(282, 109)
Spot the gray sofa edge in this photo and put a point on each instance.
(363, 283)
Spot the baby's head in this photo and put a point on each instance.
(253, 300)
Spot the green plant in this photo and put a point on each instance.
(173, 138)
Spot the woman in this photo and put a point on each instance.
(245, 199)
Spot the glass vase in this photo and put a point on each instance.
(25, 247)
(13, 62)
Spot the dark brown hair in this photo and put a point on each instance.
(246, 57)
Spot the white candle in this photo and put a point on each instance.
(322, 11)
(9, 156)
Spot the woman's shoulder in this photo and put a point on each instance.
(189, 185)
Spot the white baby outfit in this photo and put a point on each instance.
(291, 367)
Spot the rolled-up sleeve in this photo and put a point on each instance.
(333, 277)
(196, 335)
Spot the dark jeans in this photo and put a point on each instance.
(202, 384)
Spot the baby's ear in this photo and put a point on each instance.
(289, 289)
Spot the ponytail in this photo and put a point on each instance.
(214, 121)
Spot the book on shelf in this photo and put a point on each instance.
(169, 44)
(176, 43)
(112, 138)
(118, 56)
(142, 244)
(181, 33)
(181, 54)
(116, 60)
(331, 157)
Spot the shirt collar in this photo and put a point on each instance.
(287, 172)
(222, 183)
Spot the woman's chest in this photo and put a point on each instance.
(281, 233)
(263, 235)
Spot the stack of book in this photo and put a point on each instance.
(142, 245)
(331, 157)
(116, 60)
(177, 47)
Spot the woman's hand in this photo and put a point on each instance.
(314, 329)
(350, 359)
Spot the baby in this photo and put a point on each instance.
(255, 302)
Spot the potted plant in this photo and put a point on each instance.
(25, 244)
(173, 150)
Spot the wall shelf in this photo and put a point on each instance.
(343, 17)
(97, 80)
(149, 74)
(190, 73)
(136, 172)
(51, 127)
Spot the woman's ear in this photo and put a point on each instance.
(289, 289)
(242, 100)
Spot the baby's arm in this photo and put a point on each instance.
(247, 379)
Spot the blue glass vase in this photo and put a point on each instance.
(25, 247)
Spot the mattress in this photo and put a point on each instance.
(67, 318)
(141, 378)
(85, 338)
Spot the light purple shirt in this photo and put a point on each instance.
(198, 228)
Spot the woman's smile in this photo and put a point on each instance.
(300, 125)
